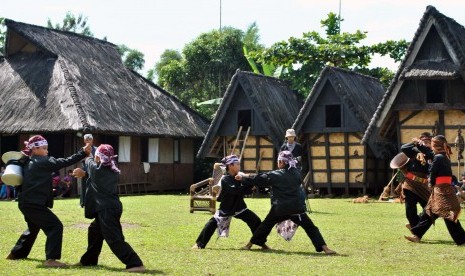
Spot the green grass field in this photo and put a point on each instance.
(368, 238)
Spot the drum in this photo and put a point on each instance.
(13, 174)
(399, 161)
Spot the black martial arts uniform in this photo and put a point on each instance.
(103, 205)
(34, 200)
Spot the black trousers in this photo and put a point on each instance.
(455, 228)
(249, 217)
(411, 212)
(107, 226)
(39, 217)
(259, 236)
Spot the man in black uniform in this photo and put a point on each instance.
(232, 204)
(287, 202)
(36, 197)
(414, 188)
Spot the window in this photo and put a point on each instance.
(124, 153)
(244, 119)
(435, 91)
(333, 115)
(153, 150)
(176, 151)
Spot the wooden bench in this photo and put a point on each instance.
(133, 187)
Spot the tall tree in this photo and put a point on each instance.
(304, 58)
(2, 35)
(205, 67)
(132, 58)
(71, 23)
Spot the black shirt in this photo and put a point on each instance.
(232, 195)
(37, 178)
(440, 167)
(102, 189)
(414, 165)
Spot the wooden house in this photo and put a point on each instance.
(61, 85)
(428, 91)
(331, 124)
(263, 105)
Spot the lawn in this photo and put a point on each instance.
(368, 238)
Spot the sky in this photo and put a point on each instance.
(152, 26)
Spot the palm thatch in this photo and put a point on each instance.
(56, 81)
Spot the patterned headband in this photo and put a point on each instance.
(37, 144)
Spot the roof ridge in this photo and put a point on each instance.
(10, 21)
(74, 95)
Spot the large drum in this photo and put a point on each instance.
(13, 174)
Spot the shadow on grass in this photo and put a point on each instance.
(438, 242)
(319, 212)
(282, 252)
(100, 268)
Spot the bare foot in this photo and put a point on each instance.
(328, 251)
(196, 246)
(412, 238)
(247, 246)
(265, 247)
(54, 263)
(136, 269)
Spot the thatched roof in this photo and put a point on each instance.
(360, 93)
(271, 99)
(56, 81)
(452, 34)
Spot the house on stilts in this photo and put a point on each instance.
(331, 124)
(428, 91)
(252, 119)
(62, 85)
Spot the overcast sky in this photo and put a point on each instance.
(153, 26)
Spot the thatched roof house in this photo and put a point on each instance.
(60, 81)
(332, 122)
(265, 104)
(56, 82)
(428, 91)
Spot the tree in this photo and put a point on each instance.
(204, 69)
(72, 24)
(132, 58)
(2, 35)
(166, 57)
(304, 58)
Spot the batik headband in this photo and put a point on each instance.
(230, 159)
(287, 158)
(36, 144)
(107, 158)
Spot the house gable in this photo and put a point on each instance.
(330, 114)
(433, 47)
(432, 63)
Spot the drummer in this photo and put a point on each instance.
(414, 188)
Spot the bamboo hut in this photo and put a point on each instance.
(61, 84)
(263, 105)
(428, 91)
(331, 124)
